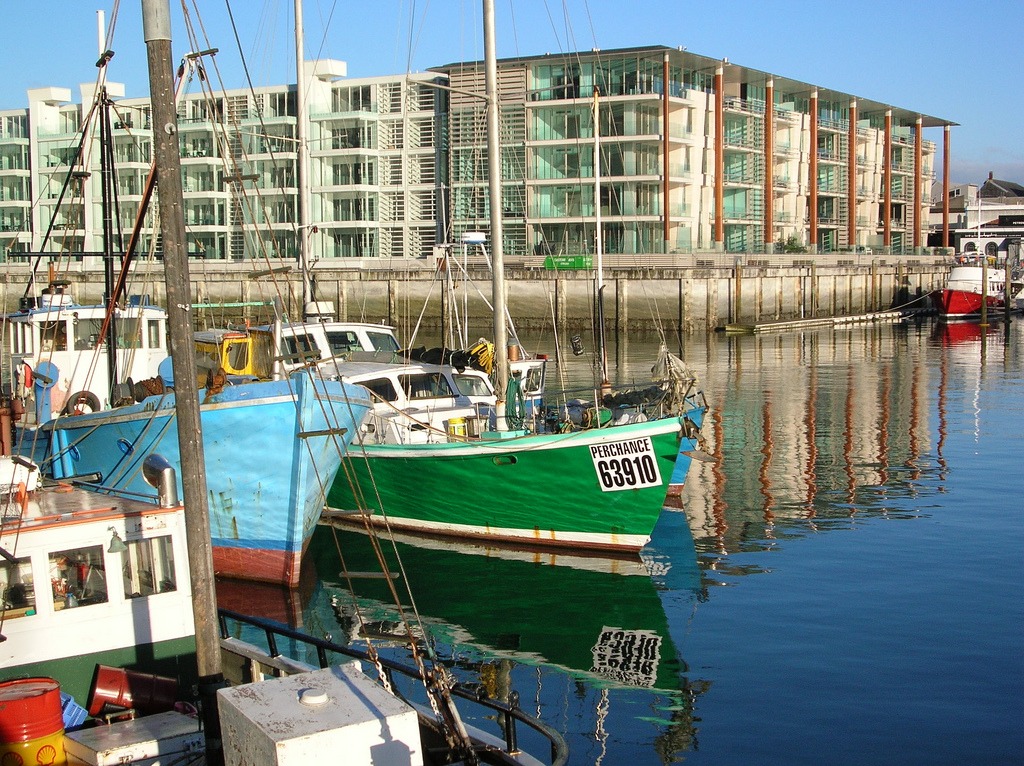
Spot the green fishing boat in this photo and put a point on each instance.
(596, 489)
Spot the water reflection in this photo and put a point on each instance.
(585, 641)
(807, 433)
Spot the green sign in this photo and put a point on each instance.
(563, 262)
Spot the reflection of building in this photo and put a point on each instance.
(988, 219)
(810, 427)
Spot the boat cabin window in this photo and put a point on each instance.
(87, 333)
(155, 334)
(78, 577)
(129, 333)
(342, 342)
(148, 567)
(382, 341)
(472, 385)
(298, 349)
(534, 381)
(236, 356)
(17, 591)
(53, 336)
(207, 356)
(382, 388)
(21, 338)
(425, 386)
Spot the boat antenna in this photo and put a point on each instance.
(304, 228)
(156, 24)
(599, 244)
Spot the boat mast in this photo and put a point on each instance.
(494, 197)
(156, 24)
(602, 348)
(302, 160)
(107, 203)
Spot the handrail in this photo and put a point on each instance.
(510, 713)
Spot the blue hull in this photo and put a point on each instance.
(271, 449)
(686, 446)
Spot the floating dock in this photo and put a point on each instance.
(806, 324)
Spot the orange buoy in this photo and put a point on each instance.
(31, 722)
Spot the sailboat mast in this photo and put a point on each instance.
(156, 25)
(494, 196)
(599, 243)
(107, 202)
(302, 158)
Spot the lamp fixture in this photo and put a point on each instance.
(116, 543)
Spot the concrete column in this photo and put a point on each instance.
(392, 313)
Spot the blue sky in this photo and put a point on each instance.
(954, 60)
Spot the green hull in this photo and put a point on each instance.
(175, 659)
(601, 489)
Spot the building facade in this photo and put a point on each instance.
(695, 155)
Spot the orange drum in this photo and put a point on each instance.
(31, 722)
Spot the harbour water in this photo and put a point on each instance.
(843, 582)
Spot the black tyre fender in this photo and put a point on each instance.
(83, 401)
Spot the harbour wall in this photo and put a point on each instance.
(699, 297)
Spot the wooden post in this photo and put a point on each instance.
(814, 289)
(984, 288)
(156, 19)
(1007, 292)
(738, 301)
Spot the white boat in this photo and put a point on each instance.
(96, 625)
(59, 352)
(970, 286)
(89, 579)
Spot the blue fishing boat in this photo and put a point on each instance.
(272, 448)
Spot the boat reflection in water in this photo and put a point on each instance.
(571, 636)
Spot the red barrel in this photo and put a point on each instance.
(31, 721)
(143, 692)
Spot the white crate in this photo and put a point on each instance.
(302, 719)
(155, 740)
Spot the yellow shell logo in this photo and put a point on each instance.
(11, 759)
(47, 755)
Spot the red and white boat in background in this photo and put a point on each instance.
(961, 298)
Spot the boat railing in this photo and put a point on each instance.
(508, 715)
(652, 399)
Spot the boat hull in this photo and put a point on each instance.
(963, 304)
(271, 451)
(599, 489)
(687, 445)
(969, 287)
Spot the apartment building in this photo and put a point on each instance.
(375, 168)
(696, 155)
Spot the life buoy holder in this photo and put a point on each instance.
(81, 402)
